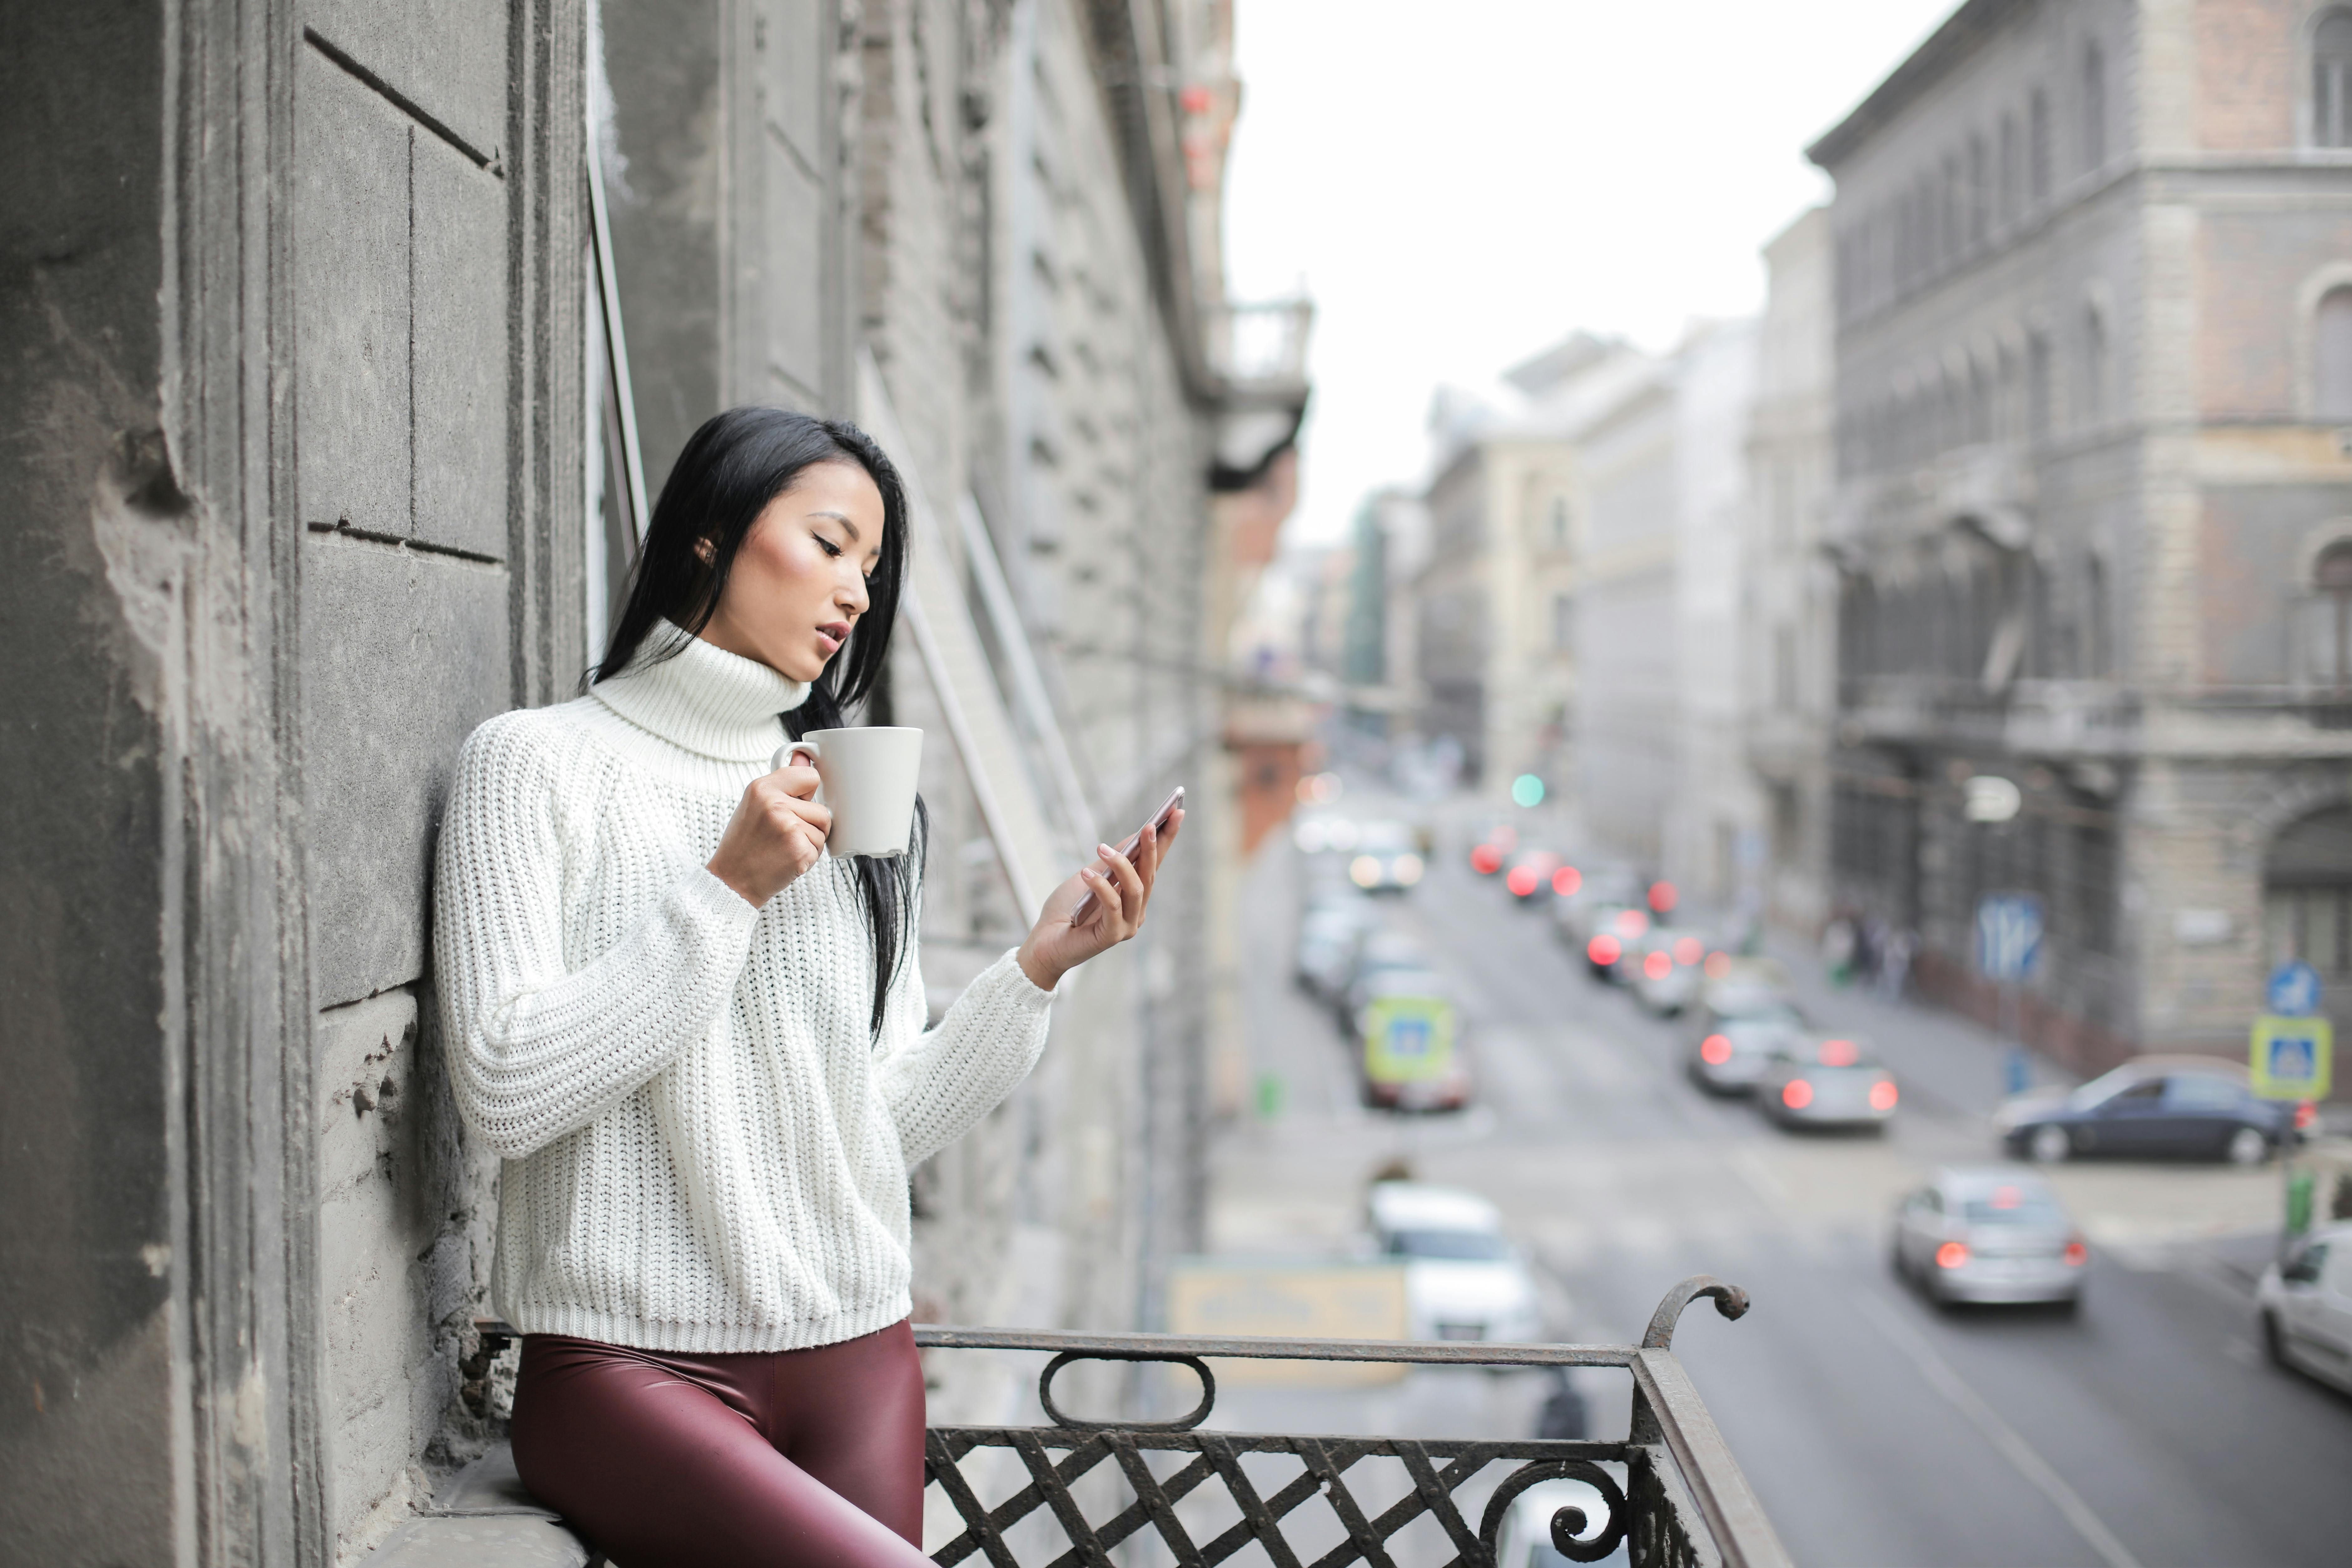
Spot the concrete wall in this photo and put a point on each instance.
(300, 508)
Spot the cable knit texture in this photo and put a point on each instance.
(706, 1149)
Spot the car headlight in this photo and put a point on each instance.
(1364, 870)
(1406, 869)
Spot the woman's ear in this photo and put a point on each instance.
(706, 552)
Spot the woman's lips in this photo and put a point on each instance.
(834, 636)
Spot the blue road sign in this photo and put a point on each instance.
(2009, 936)
(2293, 990)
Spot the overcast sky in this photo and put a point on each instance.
(1460, 183)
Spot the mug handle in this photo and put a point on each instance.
(787, 754)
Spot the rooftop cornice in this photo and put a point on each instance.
(1962, 34)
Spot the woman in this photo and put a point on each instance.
(697, 1042)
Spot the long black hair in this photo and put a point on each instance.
(728, 472)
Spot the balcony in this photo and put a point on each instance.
(1069, 1494)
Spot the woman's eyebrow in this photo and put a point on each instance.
(842, 520)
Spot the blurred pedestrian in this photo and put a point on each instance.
(1837, 950)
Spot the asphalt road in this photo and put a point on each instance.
(1880, 1431)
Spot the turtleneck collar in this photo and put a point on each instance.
(702, 697)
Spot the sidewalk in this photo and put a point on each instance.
(1953, 1064)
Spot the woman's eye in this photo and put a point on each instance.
(831, 549)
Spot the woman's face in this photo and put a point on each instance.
(798, 586)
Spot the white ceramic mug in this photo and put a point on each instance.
(867, 777)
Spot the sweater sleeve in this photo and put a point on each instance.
(951, 1076)
(535, 1051)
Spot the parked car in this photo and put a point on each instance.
(1529, 878)
(1328, 936)
(1729, 1052)
(2190, 1107)
(1378, 951)
(1605, 933)
(1990, 1233)
(1668, 987)
(1493, 848)
(1386, 858)
(1825, 1081)
(1525, 1540)
(1408, 1045)
(2306, 1300)
(1463, 1279)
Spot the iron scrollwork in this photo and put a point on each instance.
(1198, 1367)
(1567, 1524)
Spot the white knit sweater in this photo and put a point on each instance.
(706, 1149)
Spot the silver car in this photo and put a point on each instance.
(1732, 1048)
(1990, 1233)
(1825, 1081)
(2306, 1306)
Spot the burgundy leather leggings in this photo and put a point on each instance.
(798, 1459)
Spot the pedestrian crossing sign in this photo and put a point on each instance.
(2292, 1057)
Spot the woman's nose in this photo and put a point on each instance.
(853, 596)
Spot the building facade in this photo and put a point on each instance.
(326, 468)
(1789, 615)
(2092, 365)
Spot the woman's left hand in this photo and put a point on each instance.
(1122, 890)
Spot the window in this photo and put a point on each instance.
(2094, 108)
(2094, 366)
(1557, 523)
(2307, 893)
(2038, 154)
(1784, 669)
(1980, 192)
(2007, 207)
(2328, 638)
(2331, 80)
(2331, 355)
(2037, 390)
(1563, 621)
(2097, 652)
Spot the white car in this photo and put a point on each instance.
(2306, 1307)
(1990, 1233)
(1463, 1279)
(1524, 1540)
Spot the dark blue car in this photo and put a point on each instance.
(2153, 1108)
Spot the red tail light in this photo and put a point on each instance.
(1522, 881)
(1688, 950)
(1882, 1094)
(1662, 896)
(1632, 923)
(2076, 1253)
(1796, 1095)
(1657, 966)
(1604, 950)
(1566, 881)
(2304, 1116)
(1717, 965)
(1714, 1049)
(1485, 860)
(1951, 1255)
(1839, 1053)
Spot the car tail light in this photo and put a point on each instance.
(2304, 1116)
(1882, 1094)
(1796, 1095)
(1657, 966)
(1951, 1255)
(1485, 860)
(2077, 1254)
(1632, 923)
(1522, 881)
(1662, 897)
(1717, 965)
(1566, 881)
(1604, 950)
(1714, 1049)
(1839, 1053)
(1688, 950)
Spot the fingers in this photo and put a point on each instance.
(800, 780)
(1131, 889)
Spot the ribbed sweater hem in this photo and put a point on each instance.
(709, 1338)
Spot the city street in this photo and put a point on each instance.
(1878, 1429)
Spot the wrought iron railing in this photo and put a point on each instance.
(1683, 1501)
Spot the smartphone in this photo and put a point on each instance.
(1160, 820)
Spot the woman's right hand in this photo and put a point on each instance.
(778, 833)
